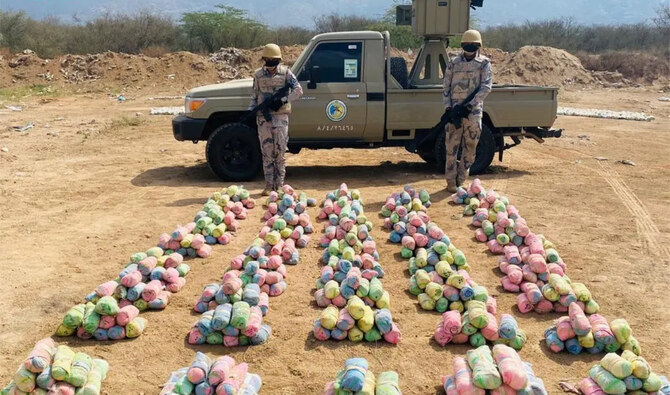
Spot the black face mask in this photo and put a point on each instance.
(272, 62)
(470, 47)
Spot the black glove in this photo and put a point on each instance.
(461, 111)
(276, 104)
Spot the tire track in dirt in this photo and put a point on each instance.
(647, 230)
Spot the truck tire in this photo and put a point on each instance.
(486, 150)
(233, 152)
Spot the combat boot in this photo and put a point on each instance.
(452, 186)
(267, 190)
(462, 181)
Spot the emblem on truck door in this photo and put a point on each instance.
(336, 110)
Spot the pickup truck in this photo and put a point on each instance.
(356, 95)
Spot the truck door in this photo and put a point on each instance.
(336, 108)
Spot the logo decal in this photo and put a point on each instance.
(336, 110)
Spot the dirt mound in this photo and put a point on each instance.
(543, 66)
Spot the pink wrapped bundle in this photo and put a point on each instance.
(198, 241)
(580, 324)
(490, 331)
(442, 337)
(590, 387)
(494, 247)
(146, 265)
(327, 207)
(411, 229)
(126, 314)
(276, 249)
(416, 221)
(62, 388)
(82, 334)
(131, 279)
(408, 242)
(420, 239)
(106, 289)
(249, 203)
(204, 251)
(520, 228)
(326, 274)
(238, 209)
(277, 289)
(544, 306)
(449, 385)
(220, 370)
(463, 378)
(173, 260)
(40, 356)
(273, 278)
(436, 233)
(255, 321)
(345, 321)
(282, 270)
(460, 338)
(515, 274)
(340, 301)
(125, 302)
(532, 292)
(237, 262)
(175, 286)
(504, 390)
(393, 336)
(170, 275)
(566, 300)
(556, 269)
(502, 219)
(491, 305)
(107, 321)
(528, 274)
(369, 247)
(304, 220)
(512, 254)
(601, 329)
(340, 234)
(233, 226)
(537, 263)
(288, 249)
(564, 329)
(320, 333)
(163, 298)
(436, 278)
(346, 224)
(509, 285)
(302, 241)
(480, 235)
(510, 366)
(163, 240)
(524, 305)
(264, 231)
(387, 223)
(151, 290)
(179, 233)
(274, 262)
(367, 260)
(230, 341)
(369, 301)
(451, 321)
(231, 282)
(513, 212)
(353, 278)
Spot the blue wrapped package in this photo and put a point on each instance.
(354, 374)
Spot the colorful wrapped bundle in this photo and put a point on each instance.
(356, 322)
(501, 372)
(628, 373)
(57, 370)
(357, 378)
(220, 376)
(230, 325)
(454, 328)
(576, 333)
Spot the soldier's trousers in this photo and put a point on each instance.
(466, 137)
(273, 136)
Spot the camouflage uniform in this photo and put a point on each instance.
(461, 77)
(273, 135)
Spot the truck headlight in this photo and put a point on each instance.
(193, 104)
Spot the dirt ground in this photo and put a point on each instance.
(84, 189)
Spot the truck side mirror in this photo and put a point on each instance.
(314, 77)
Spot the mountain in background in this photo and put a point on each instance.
(303, 12)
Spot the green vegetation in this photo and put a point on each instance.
(124, 121)
(21, 92)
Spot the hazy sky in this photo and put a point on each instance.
(303, 12)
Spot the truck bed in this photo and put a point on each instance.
(508, 106)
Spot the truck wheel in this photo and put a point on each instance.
(428, 157)
(233, 152)
(486, 150)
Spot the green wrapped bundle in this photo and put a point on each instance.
(376, 289)
(480, 293)
(60, 369)
(388, 384)
(422, 278)
(443, 268)
(136, 327)
(485, 374)
(477, 340)
(141, 304)
(384, 302)
(442, 305)
(641, 368)
(214, 338)
(107, 305)
(519, 341)
(632, 345)
(583, 294)
(241, 313)
(183, 386)
(653, 383)
(64, 331)
(466, 326)
(81, 366)
(91, 319)
(433, 290)
(477, 312)
(426, 302)
(74, 317)
(559, 284)
(24, 379)
(414, 288)
(406, 253)
(606, 380)
(591, 307)
(618, 366)
(550, 293)
(621, 330)
(364, 288)
(95, 377)
(373, 335)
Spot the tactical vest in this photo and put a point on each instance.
(466, 76)
(269, 84)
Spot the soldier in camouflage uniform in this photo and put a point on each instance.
(463, 75)
(273, 135)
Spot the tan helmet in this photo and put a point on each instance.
(271, 51)
(472, 36)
